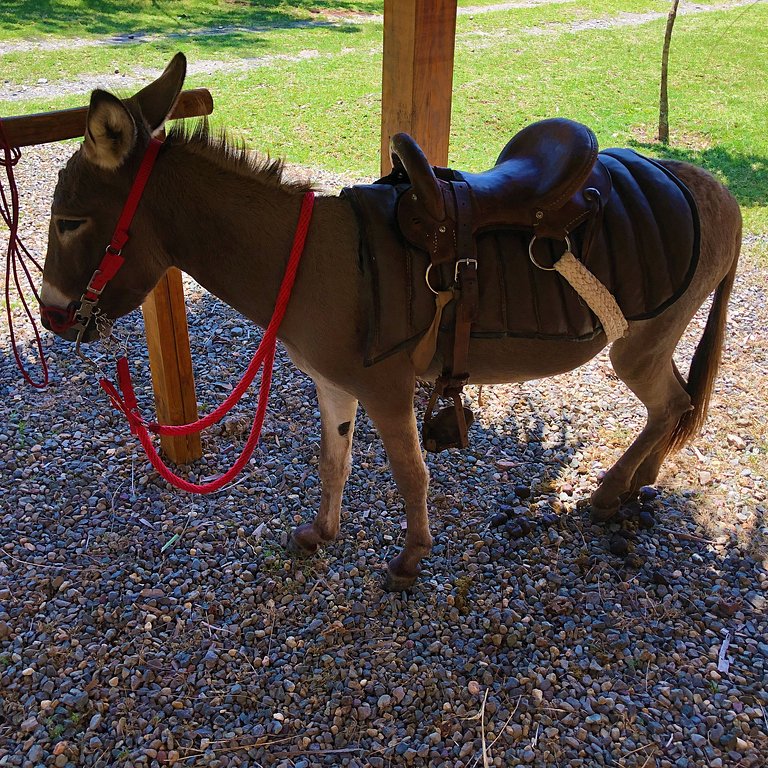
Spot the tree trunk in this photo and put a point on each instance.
(663, 95)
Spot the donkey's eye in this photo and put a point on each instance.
(69, 225)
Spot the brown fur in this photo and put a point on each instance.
(228, 220)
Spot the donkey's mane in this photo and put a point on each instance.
(234, 155)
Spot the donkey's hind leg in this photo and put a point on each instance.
(337, 421)
(396, 424)
(654, 379)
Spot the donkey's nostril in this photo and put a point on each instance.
(56, 319)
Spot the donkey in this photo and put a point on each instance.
(227, 219)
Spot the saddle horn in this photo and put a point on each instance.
(406, 152)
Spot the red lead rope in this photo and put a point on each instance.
(9, 211)
(264, 357)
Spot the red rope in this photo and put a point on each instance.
(15, 255)
(263, 357)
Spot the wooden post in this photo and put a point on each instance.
(165, 316)
(417, 77)
(170, 360)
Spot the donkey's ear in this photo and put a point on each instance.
(110, 131)
(156, 101)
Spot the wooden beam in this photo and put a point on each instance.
(417, 77)
(26, 130)
(170, 360)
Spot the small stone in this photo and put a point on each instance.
(526, 526)
(648, 493)
(619, 545)
(498, 520)
(29, 724)
(385, 700)
(522, 491)
(515, 531)
(473, 687)
(645, 519)
(659, 578)
(548, 519)
(741, 746)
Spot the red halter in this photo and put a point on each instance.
(263, 358)
(76, 316)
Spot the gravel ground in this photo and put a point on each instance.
(140, 626)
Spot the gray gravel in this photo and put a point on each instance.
(140, 626)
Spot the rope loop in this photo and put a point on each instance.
(18, 260)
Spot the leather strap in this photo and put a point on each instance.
(455, 375)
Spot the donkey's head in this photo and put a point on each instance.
(89, 198)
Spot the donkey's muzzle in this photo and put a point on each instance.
(67, 324)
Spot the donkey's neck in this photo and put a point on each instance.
(230, 228)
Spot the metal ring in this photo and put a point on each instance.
(429, 285)
(536, 263)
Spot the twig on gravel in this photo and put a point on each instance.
(486, 762)
(638, 749)
(260, 742)
(60, 566)
(684, 536)
(340, 751)
(501, 730)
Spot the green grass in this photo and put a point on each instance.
(313, 95)
(78, 18)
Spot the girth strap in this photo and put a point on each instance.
(455, 374)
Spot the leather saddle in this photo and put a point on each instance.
(546, 181)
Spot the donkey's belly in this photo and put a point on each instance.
(509, 360)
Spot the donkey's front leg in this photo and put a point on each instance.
(337, 420)
(399, 434)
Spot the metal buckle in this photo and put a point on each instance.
(85, 310)
(90, 288)
(468, 262)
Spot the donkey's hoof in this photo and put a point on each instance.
(395, 583)
(400, 576)
(304, 541)
(602, 514)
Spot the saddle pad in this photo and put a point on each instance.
(645, 252)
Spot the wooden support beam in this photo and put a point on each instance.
(417, 77)
(165, 323)
(165, 317)
(26, 130)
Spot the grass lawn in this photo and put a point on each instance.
(303, 79)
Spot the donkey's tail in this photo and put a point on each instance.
(706, 360)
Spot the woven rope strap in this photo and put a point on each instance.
(598, 297)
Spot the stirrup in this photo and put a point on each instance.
(443, 430)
